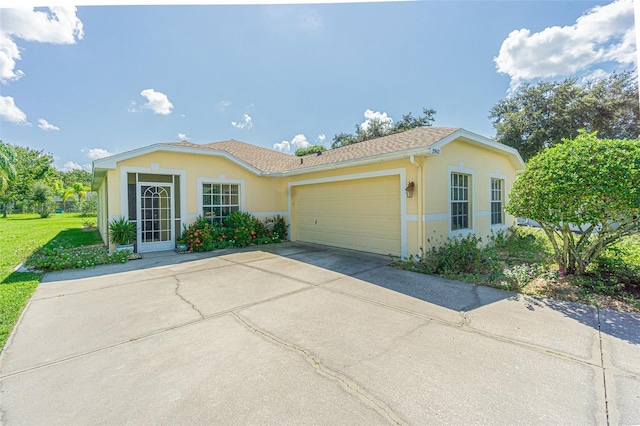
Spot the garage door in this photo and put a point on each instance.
(361, 214)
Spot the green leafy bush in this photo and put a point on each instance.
(461, 255)
(58, 257)
(239, 229)
(198, 236)
(277, 226)
(518, 276)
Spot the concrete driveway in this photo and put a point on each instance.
(304, 334)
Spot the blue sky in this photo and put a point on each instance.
(82, 83)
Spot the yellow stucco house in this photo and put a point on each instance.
(391, 195)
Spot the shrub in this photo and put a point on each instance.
(57, 257)
(277, 226)
(518, 276)
(461, 255)
(198, 236)
(239, 229)
(122, 231)
(587, 182)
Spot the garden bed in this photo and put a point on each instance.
(521, 260)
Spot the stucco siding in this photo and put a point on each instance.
(481, 165)
(260, 194)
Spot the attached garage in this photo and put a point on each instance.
(358, 214)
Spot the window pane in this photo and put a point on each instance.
(219, 200)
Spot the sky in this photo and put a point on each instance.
(86, 82)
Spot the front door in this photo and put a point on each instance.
(155, 217)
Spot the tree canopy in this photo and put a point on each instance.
(30, 166)
(311, 149)
(7, 165)
(542, 115)
(70, 177)
(587, 182)
(376, 128)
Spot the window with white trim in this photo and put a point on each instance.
(219, 200)
(460, 213)
(497, 201)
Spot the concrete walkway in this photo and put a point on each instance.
(304, 334)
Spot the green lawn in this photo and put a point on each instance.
(20, 235)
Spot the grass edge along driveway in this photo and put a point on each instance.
(20, 235)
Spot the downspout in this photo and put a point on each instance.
(420, 202)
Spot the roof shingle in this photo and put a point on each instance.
(267, 160)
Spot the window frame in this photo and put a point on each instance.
(498, 226)
(221, 182)
(470, 200)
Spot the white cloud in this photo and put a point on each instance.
(183, 137)
(97, 153)
(298, 141)
(45, 125)
(156, 102)
(382, 117)
(602, 34)
(70, 165)
(58, 25)
(246, 122)
(321, 138)
(133, 107)
(283, 146)
(10, 112)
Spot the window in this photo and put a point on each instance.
(219, 200)
(497, 213)
(459, 201)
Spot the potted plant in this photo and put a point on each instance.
(122, 233)
(182, 245)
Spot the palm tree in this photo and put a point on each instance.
(7, 161)
(76, 190)
(7, 171)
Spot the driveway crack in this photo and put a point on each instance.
(177, 291)
(604, 370)
(346, 383)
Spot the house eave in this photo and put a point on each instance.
(482, 141)
(101, 166)
(393, 156)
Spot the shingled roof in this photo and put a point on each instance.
(269, 161)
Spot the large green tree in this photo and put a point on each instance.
(7, 165)
(376, 128)
(31, 166)
(541, 115)
(586, 184)
(70, 177)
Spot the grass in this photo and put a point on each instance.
(20, 236)
(522, 261)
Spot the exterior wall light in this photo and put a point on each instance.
(409, 189)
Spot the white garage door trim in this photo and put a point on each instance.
(401, 172)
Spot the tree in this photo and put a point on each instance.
(7, 168)
(311, 149)
(75, 176)
(42, 198)
(542, 115)
(31, 166)
(76, 190)
(377, 127)
(586, 182)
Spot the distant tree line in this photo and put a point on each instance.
(29, 182)
(376, 128)
(540, 116)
